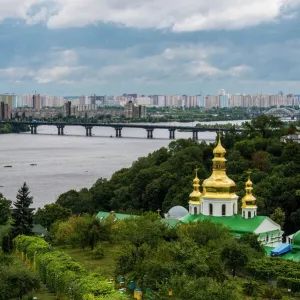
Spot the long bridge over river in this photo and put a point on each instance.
(33, 125)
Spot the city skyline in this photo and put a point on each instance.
(150, 48)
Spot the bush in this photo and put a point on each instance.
(290, 283)
(251, 288)
(59, 272)
(98, 252)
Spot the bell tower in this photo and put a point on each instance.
(249, 208)
(195, 196)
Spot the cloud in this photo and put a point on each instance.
(179, 16)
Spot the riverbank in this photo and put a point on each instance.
(8, 128)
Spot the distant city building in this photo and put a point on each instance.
(67, 108)
(132, 111)
(222, 92)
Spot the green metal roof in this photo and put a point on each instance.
(171, 223)
(39, 230)
(293, 255)
(114, 215)
(235, 223)
(296, 240)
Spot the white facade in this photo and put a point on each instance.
(249, 212)
(219, 207)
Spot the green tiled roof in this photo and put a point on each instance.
(114, 215)
(235, 223)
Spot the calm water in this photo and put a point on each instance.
(72, 161)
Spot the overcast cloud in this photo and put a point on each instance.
(149, 46)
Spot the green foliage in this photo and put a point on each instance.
(4, 210)
(15, 280)
(185, 287)
(81, 231)
(235, 255)
(22, 214)
(98, 252)
(278, 216)
(291, 283)
(59, 272)
(251, 288)
(269, 267)
(50, 214)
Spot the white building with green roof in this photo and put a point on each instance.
(218, 203)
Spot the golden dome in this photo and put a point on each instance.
(219, 185)
(195, 194)
(249, 201)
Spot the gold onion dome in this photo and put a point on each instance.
(196, 194)
(219, 149)
(219, 185)
(249, 200)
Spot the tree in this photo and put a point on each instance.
(51, 213)
(261, 160)
(4, 210)
(22, 214)
(235, 256)
(251, 240)
(278, 216)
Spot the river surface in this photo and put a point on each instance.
(74, 161)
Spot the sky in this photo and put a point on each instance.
(84, 47)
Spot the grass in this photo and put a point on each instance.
(105, 266)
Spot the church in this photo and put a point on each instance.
(218, 203)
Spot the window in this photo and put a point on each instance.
(211, 210)
(224, 210)
(244, 214)
(195, 211)
(249, 214)
(254, 213)
(233, 208)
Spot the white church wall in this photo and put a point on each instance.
(231, 206)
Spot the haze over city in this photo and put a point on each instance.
(149, 47)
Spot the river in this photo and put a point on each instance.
(52, 164)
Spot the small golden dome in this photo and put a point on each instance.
(249, 200)
(219, 149)
(196, 194)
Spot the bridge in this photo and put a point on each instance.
(283, 112)
(33, 125)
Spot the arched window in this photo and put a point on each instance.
(195, 210)
(244, 214)
(249, 214)
(224, 210)
(211, 209)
